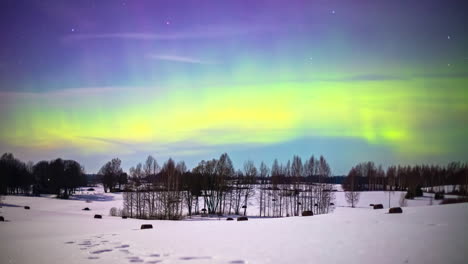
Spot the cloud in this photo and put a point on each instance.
(176, 58)
(194, 33)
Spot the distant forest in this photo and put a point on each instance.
(216, 187)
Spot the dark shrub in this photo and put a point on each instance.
(455, 200)
(229, 219)
(98, 216)
(395, 210)
(242, 218)
(90, 189)
(27, 207)
(410, 195)
(439, 196)
(315, 205)
(332, 204)
(371, 204)
(146, 226)
(86, 209)
(378, 206)
(2, 219)
(124, 217)
(418, 192)
(307, 213)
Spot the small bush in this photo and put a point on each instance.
(27, 207)
(98, 216)
(2, 219)
(242, 218)
(229, 219)
(146, 226)
(455, 200)
(418, 192)
(113, 211)
(409, 195)
(439, 196)
(86, 209)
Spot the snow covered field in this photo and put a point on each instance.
(58, 231)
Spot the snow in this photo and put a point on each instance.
(58, 231)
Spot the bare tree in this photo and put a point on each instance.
(350, 187)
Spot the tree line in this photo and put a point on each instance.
(366, 176)
(61, 177)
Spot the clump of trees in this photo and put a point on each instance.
(215, 187)
(58, 176)
(112, 175)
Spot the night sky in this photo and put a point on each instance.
(353, 80)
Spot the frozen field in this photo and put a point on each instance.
(58, 231)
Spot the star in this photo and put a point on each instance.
(168, 22)
(448, 65)
(333, 12)
(448, 37)
(72, 30)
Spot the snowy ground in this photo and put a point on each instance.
(58, 231)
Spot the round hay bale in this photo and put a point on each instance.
(86, 209)
(124, 217)
(98, 216)
(229, 219)
(242, 218)
(395, 210)
(2, 219)
(307, 213)
(27, 207)
(378, 206)
(146, 226)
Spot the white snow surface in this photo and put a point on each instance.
(58, 231)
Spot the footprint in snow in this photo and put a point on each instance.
(135, 259)
(123, 246)
(194, 258)
(101, 251)
(154, 261)
(70, 242)
(125, 251)
(93, 257)
(238, 262)
(155, 255)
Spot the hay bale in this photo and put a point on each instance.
(124, 217)
(86, 209)
(307, 213)
(378, 206)
(2, 219)
(98, 216)
(242, 218)
(27, 207)
(395, 210)
(229, 219)
(146, 226)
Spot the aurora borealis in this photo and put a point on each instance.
(354, 80)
